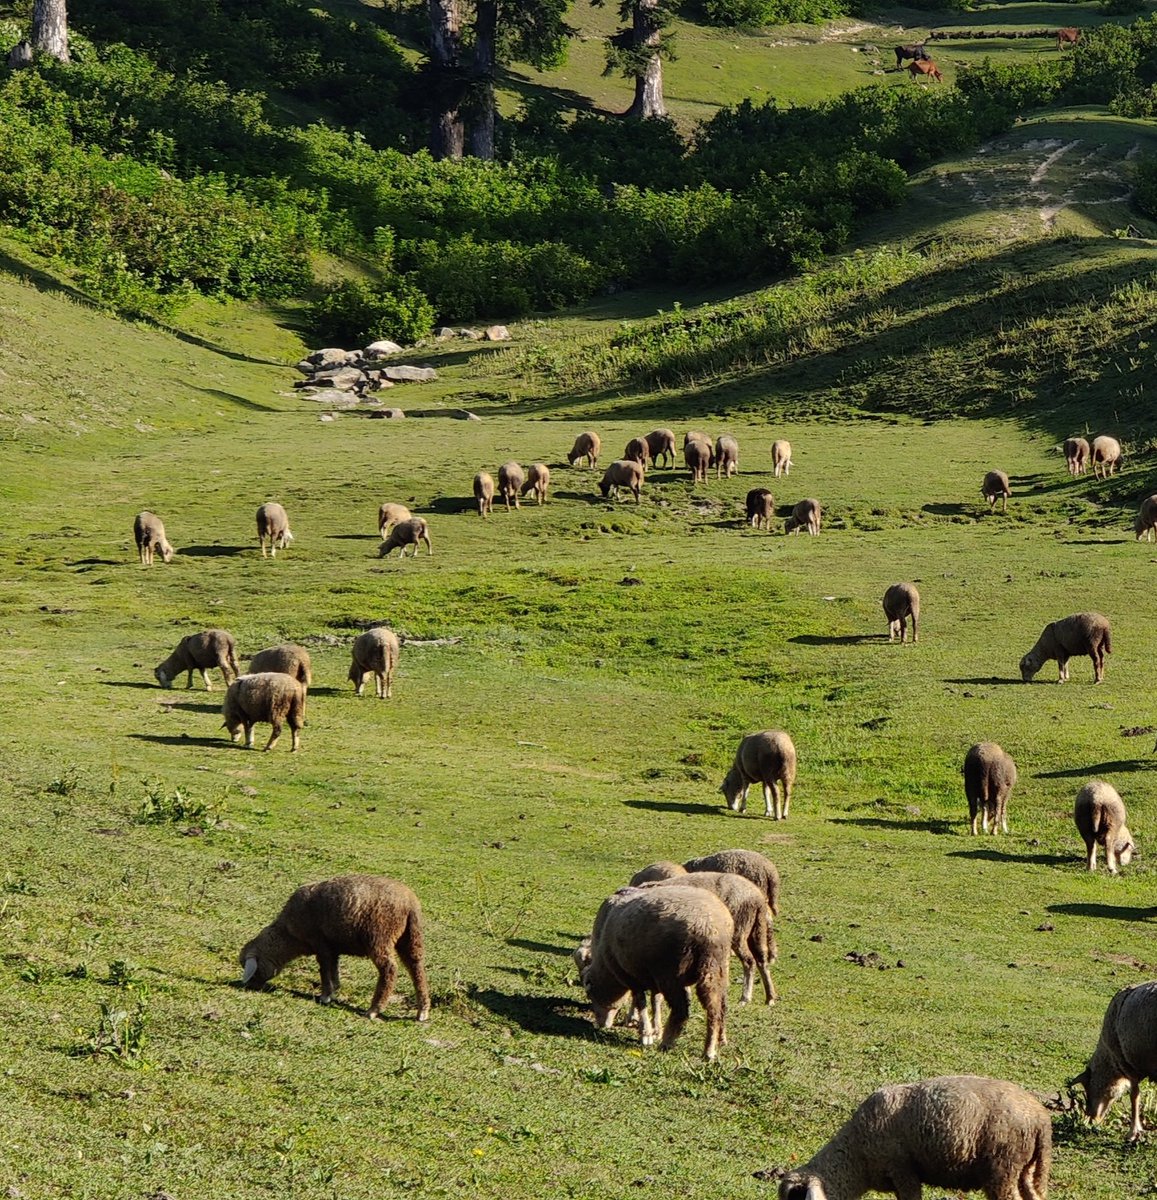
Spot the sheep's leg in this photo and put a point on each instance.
(327, 964)
(205, 677)
(786, 788)
(768, 796)
(1098, 657)
(770, 995)
(379, 685)
(742, 805)
(974, 811)
(680, 1011)
(642, 1013)
(295, 739)
(1063, 668)
(387, 970)
(1111, 855)
(915, 629)
(656, 1015)
(712, 995)
(907, 1185)
(1092, 848)
(417, 972)
(1137, 1128)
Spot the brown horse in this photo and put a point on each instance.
(925, 67)
(1069, 36)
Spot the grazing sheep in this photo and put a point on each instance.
(484, 493)
(781, 457)
(538, 479)
(407, 533)
(657, 870)
(748, 863)
(286, 658)
(390, 515)
(807, 514)
(273, 525)
(726, 456)
(1082, 633)
(902, 601)
(760, 508)
(767, 758)
(661, 444)
(753, 939)
(662, 941)
(697, 456)
(622, 474)
(1126, 1053)
(638, 451)
(368, 916)
(1106, 454)
(149, 534)
(1100, 816)
(269, 696)
(1146, 521)
(201, 652)
(587, 445)
(1076, 455)
(995, 486)
(989, 776)
(962, 1132)
(511, 477)
(375, 650)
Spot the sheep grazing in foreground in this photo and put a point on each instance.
(1082, 633)
(484, 493)
(368, 916)
(726, 456)
(697, 457)
(201, 652)
(657, 870)
(901, 601)
(995, 487)
(1126, 1053)
(149, 535)
(587, 445)
(1100, 815)
(286, 658)
(407, 533)
(962, 1132)
(661, 444)
(1106, 455)
(748, 863)
(662, 941)
(753, 939)
(781, 457)
(622, 474)
(538, 481)
(273, 526)
(639, 451)
(767, 758)
(511, 477)
(268, 697)
(1076, 455)
(390, 515)
(760, 508)
(989, 777)
(375, 651)
(807, 514)
(1146, 520)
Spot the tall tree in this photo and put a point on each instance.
(447, 128)
(638, 50)
(50, 28)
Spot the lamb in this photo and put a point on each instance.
(375, 650)
(268, 696)
(511, 477)
(638, 451)
(995, 486)
(901, 601)
(963, 1132)
(622, 474)
(697, 456)
(726, 456)
(1076, 455)
(989, 777)
(661, 444)
(407, 533)
(781, 457)
(587, 445)
(663, 941)
(1106, 454)
(390, 515)
(1146, 521)
(657, 870)
(201, 652)
(1082, 633)
(286, 658)
(760, 508)
(149, 534)
(369, 916)
(1126, 1053)
(1100, 816)
(807, 514)
(748, 863)
(484, 493)
(273, 525)
(538, 480)
(767, 758)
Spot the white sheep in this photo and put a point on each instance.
(149, 535)
(484, 493)
(1100, 816)
(1146, 520)
(1106, 454)
(661, 444)
(994, 487)
(767, 758)
(657, 870)
(1082, 633)
(287, 658)
(962, 1132)
(407, 533)
(622, 474)
(760, 508)
(587, 445)
(538, 481)
(375, 651)
(273, 526)
(390, 515)
(200, 652)
(269, 697)
(638, 450)
(781, 457)
(726, 456)
(368, 916)
(750, 864)
(808, 515)
(511, 477)
(1076, 455)
(901, 601)
(989, 777)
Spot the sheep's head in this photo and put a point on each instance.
(258, 968)
(1102, 1087)
(1029, 666)
(731, 788)
(799, 1185)
(164, 680)
(582, 955)
(605, 487)
(166, 551)
(790, 525)
(1124, 846)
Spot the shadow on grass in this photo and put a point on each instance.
(842, 639)
(1113, 912)
(133, 683)
(537, 1014)
(353, 537)
(452, 505)
(949, 510)
(1044, 860)
(1106, 541)
(329, 691)
(925, 826)
(232, 398)
(691, 810)
(95, 562)
(1118, 766)
(544, 947)
(195, 707)
(213, 551)
(984, 679)
(166, 739)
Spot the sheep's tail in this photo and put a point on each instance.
(1034, 1179)
(1108, 642)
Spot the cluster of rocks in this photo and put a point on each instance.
(492, 333)
(348, 375)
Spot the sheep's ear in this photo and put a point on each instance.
(250, 970)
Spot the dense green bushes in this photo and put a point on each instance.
(773, 12)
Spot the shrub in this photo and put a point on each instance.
(1145, 185)
(353, 313)
(774, 12)
(1017, 87)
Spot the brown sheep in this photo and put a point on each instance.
(377, 651)
(268, 697)
(697, 456)
(149, 535)
(1076, 455)
(1106, 454)
(390, 515)
(760, 508)
(273, 526)
(661, 444)
(726, 456)
(767, 758)
(902, 601)
(288, 659)
(807, 514)
(484, 493)
(538, 480)
(657, 870)
(748, 863)
(622, 474)
(200, 652)
(407, 533)
(994, 487)
(1100, 816)
(587, 445)
(637, 450)
(1145, 522)
(781, 457)
(511, 477)
(989, 777)
(1082, 633)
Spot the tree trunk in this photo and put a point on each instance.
(447, 134)
(648, 85)
(482, 102)
(50, 28)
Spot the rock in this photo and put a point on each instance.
(332, 357)
(445, 333)
(497, 333)
(328, 417)
(381, 349)
(471, 335)
(305, 367)
(345, 379)
(403, 374)
(334, 398)
(392, 414)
